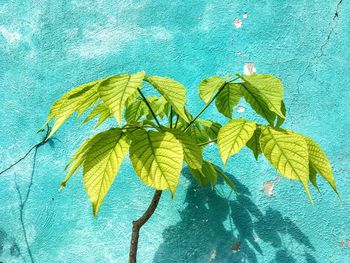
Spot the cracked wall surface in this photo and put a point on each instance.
(49, 47)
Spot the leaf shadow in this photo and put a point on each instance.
(220, 229)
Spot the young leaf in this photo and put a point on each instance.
(102, 163)
(233, 136)
(319, 161)
(136, 110)
(228, 98)
(116, 90)
(288, 153)
(101, 110)
(254, 143)
(209, 86)
(192, 153)
(157, 158)
(205, 174)
(312, 176)
(226, 179)
(172, 91)
(78, 99)
(267, 88)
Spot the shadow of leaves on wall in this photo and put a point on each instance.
(203, 234)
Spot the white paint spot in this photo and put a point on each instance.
(241, 54)
(237, 23)
(245, 15)
(10, 37)
(240, 109)
(213, 255)
(249, 68)
(268, 187)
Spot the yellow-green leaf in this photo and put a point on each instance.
(254, 143)
(288, 153)
(101, 110)
(192, 152)
(205, 174)
(209, 86)
(102, 162)
(233, 136)
(136, 110)
(78, 99)
(228, 98)
(116, 90)
(266, 88)
(212, 128)
(157, 158)
(173, 91)
(319, 161)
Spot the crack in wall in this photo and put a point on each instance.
(23, 200)
(333, 25)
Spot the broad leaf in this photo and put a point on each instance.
(254, 143)
(205, 174)
(136, 110)
(212, 128)
(116, 90)
(226, 179)
(192, 152)
(319, 161)
(233, 136)
(100, 110)
(78, 99)
(228, 98)
(172, 91)
(157, 158)
(288, 153)
(209, 86)
(280, 120)
(103, 160)
(268, 88)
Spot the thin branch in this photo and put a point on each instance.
(207, 105)
(149, 107)
(205, 143)
(171, 116)
(177, 120)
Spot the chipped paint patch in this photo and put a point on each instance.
(11, 37)
(212, 255)
(249, 68)
(237, 23)
(240, 109)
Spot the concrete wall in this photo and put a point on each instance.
(49, 47)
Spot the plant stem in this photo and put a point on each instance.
(205, 143)
(171, 116)
(136, 225)
(177, 120)
(149, 107)
(207, 105)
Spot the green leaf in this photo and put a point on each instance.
(288, 153)
(102, 162)
(226, 179)
(312, 176)
(172, 91)
(212, 128)
(205, 174)
(254, 143)
(319, 161)
(116, 90)
(136, 110)
(78, 99)
(157, 158)
(280, 120)
(101, 110)
(267, 88)
(198, 133)
(192, 152)
(233, 136)
(158, 106)
(209, 86)
(228, 98)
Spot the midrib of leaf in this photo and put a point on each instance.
(107, 163)
(155, 158)
(121, 105)
(288, 161)
(258, 102)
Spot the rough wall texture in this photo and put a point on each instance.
(48, 47)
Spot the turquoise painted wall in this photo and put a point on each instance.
(48, 47)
